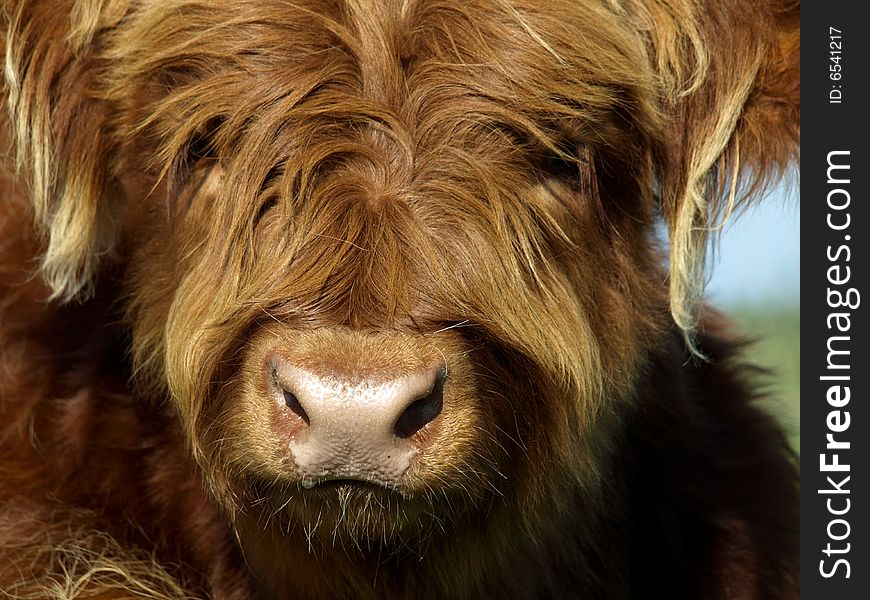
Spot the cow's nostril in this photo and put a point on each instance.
(421, 411)
(293, 404)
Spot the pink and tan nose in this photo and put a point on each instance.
(354, 426)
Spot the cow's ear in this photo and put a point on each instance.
(730, 77)
(58, 128)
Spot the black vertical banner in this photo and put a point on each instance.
(835, 372)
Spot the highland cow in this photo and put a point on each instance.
(367, 299)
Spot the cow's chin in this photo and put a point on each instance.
(357, 515)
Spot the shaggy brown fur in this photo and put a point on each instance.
(360, 184)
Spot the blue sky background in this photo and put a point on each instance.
(757, 261)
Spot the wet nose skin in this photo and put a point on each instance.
(357, 427)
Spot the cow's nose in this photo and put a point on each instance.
(351, 426)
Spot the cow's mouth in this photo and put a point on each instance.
(328, 484)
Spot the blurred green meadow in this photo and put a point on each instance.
(775, 329)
